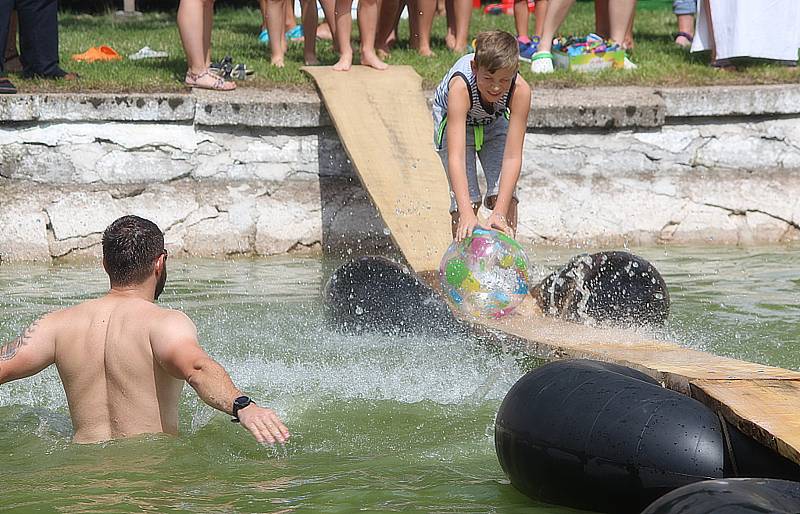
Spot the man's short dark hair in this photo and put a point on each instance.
(130, 245)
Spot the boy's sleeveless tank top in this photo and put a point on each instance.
(479, 113)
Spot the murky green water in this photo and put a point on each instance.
(380, 423)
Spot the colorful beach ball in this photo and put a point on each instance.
(485, 275)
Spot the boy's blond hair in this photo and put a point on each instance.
(496, 50)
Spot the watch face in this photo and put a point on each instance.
(241, 402)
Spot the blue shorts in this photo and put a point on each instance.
(681, 7)
(490, 152)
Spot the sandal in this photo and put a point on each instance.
(222, 68)
(228, 71)
(217, 83)
(686, 36)
(6, 87)
(723, 64)
(240, 72)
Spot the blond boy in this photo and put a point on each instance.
(480, 109)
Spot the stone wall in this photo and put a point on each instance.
(264, 173)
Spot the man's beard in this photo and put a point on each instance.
(162, 280)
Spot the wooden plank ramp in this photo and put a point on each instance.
(383, 120)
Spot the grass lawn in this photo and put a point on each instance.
(660, 61)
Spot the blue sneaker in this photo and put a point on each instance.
(527, 48)
(263, 38)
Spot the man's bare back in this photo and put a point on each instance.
(114, 385)
(123, 360)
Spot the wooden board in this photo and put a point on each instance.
(766, 410)
(383, 121)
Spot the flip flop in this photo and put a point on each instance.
(147, 53)
(6, 87)
(98, 53)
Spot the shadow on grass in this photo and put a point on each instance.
(77, 22)
(175, 65)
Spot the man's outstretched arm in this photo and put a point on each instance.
(175, 347)
(29, 353)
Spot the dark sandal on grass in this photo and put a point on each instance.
(222, 68)
(208, 80)
(6, 87)
(723, 64)
(685, 35)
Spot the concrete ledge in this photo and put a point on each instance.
(250, 107)
(731, 100)
(596, 108)
(617, 107)
(96, 107)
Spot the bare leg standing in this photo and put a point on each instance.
(367, 27)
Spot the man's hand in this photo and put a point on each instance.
(264, 424)
(466, 224)
(498, 221)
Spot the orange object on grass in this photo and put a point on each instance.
(98, 53)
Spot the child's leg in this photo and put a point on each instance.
(450, 12)
(521, 18)
(310, 21)
(540, 12)
(620, 17)
(367, 26)
(208, 24)
(491, 156)
(463, 13)
(275, 25)
(191, 26)
(601, 20)
(328, 8)
(341, 33)
(387, 21)
(556, 13)
(262, 5)
(288, 11)
(422, 11)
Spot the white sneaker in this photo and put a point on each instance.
(628, 65)
(542, 62)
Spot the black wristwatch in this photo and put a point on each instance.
(239, 404)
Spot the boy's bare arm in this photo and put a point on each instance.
(29, 353)
(512, 155)
(175, 347)
(458, 103)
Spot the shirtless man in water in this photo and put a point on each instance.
(122, 359)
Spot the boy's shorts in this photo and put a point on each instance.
(490, 154)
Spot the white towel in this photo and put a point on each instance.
(767, 29)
